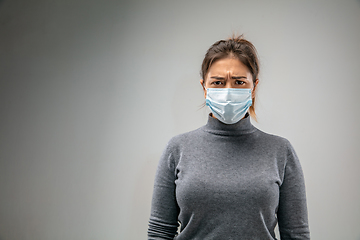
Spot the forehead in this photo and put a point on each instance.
(228, 65)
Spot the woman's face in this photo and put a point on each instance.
(228, 73)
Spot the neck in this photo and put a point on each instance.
(243, 126)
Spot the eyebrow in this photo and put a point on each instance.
(233, 77)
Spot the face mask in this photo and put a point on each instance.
(229, 105)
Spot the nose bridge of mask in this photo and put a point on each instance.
(228, 95)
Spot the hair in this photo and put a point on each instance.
(233, 47)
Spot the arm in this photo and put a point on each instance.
(292, 212)
(163, 221)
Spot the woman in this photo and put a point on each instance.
(228, 179)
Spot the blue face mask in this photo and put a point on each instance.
(228, 105)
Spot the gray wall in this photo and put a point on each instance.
(91, 91)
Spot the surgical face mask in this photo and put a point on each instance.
(228, 105)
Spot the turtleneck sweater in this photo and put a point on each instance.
(228, 182)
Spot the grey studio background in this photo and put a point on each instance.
(91, 91)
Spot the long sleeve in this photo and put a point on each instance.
(292, 212)
(163, 221)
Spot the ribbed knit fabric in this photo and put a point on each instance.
(228, 182)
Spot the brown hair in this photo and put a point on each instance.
(236, 47)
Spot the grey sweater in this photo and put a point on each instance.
(228, 182)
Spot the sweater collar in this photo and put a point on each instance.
(244, 126)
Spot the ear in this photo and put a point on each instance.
(254, 88)
(203, 86)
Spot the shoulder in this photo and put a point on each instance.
(176, 145)
(273, 140)
(185, 138)
(277, 146)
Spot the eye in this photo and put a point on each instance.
(216, 83)
(238, 82)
